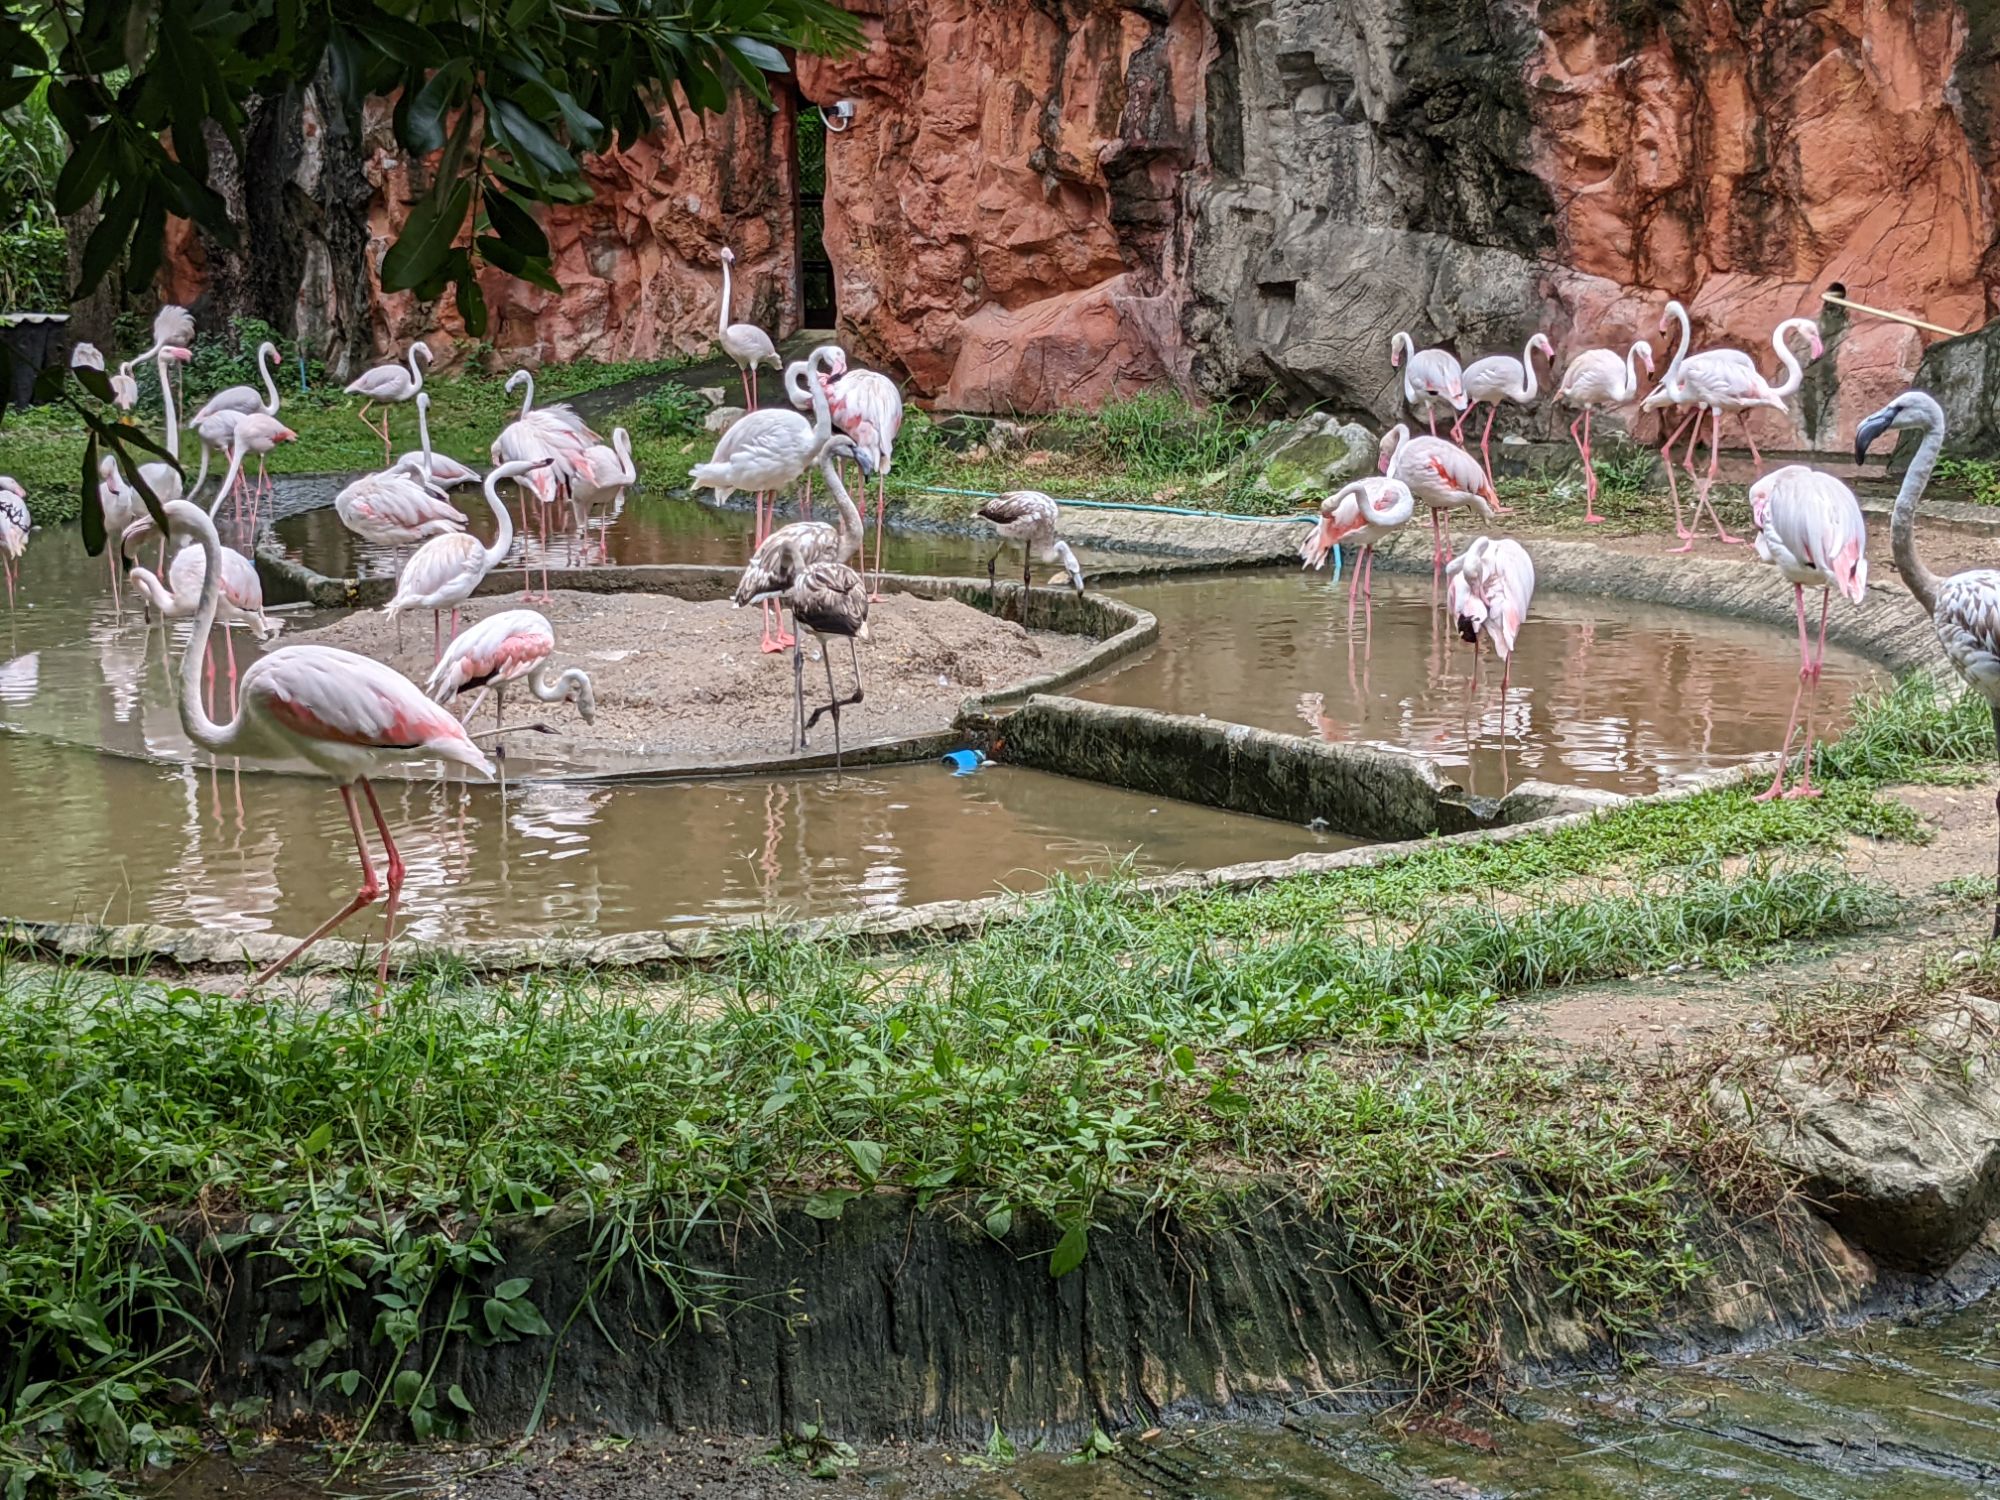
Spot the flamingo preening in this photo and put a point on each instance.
(1488, 594)
(1431, 377)
(435, 468)
(345, 715)
(1442, 476)
(555, 441)
(1374, 508)
(502, 649)
(867, 406)
(765, 451)
(1598, 377)
(1496, 378)
(386, 385)
(444, 572)
(173, 329)
(611, 469)
(1964, 607)
(745, 343)
(1030, 518)
(1809, 526)
(15, 524)
(396, 508)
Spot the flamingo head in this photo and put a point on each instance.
(1667, 313)
(284, 435)
(422, 349)
(1645, 356)
(1385, 452)
(1911, 409)
(1541, 341)
(515, 379)
(1472, 613)
(728, 256)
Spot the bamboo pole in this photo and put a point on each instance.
(1876, 312)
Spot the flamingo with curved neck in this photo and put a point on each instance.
(443, 573)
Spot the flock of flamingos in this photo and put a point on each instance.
(350, 716)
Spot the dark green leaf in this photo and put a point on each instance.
(423, 121)
(408, 1386)
(87, 166)
(999, 1222)
(16, 87)
(400, 41)
(508, 1290)
(513, 223)
(457, 1399)
(425, 243)
(471, 301)
(95, 381)
(867, 1158)
(318, 1141)
(503, 255)
(93, 508)
(767, 57)
(830, 1205)
(526, 138)
(107, 241)
(1070, 1249)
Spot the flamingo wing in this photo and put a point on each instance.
(499, 648)
(327, 695)
(445, 570)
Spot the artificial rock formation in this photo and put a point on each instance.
(1049, 202)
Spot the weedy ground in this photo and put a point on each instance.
(1106, 1047)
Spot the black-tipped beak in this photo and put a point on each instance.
(1865, 435)
(1467, 631)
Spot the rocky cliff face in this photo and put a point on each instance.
(1046, 202)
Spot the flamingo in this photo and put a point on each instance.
(255, 433)
(396, 509)
(1964, 607)
(1598, 377)
(790, 550)
(767, 450)
(1029, 517)
(443, 573)
(242, 595)
(1432, 378)
(1441, 475)
(745, 343)
(1375, 508)
(434, 468)
(239, 401)
(15, 523)
(1496, 378)
(830, 599)
(611, 470)
(344, 714)
(867, 406)
(504, 648)
(1809, 526)
(173, 328)
(389, 384)
(555, 434)
(1490, 589)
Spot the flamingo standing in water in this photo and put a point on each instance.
(505, 648)
(1598, 377)
(346, 715)
(867, 406)
(611, 469)
(443, 573)
(745, 343)
(557, 441)
(434, 468)
(242, 601)
(15, 524)
(831, 599)
(1030, 518)
(1496, 378)
(386, 385)
(767, 450)
(1491, 588)
(255, 433)
(1440, 475)
(1964, 607)
(1809, 526)
(1431, 378)
(396, 508)
(1375, 508)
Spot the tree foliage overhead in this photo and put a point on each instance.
(513, 93)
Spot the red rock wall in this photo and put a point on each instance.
(1748, 166)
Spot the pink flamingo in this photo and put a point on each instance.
(15, 524)
(1432, 377)
(611, 471)
(434, 468)
(554, 436)
(444, 572)
(1497, 378)
(255, 433)
(1598, 377)
(396, 509)
(1718, 382)
(1441, 475)
(1375, 509)
(504, 648)
(241, 603)
(867, 406)
(1810, 527)
(745, 343)
(1491, 588)
(387, 384)
(344, 714)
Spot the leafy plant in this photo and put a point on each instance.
(1978, 477)
(810, 1449)
(34, 251)
(674, 410)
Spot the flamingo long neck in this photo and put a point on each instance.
(1401, 433)
(160, 363)
(1795, 374)
(147, 582)
(1632, 367)
(416, 375)
(1528, 386)
(195, 722)
(424, 431)
(236, 451)
(852, 528)
(621, 444)
(503, 537)
(722, 312)
(1920, 580)
(822, 411)
(798, 380)
(270, 385)
(528, 396)
(200, 474)
(1398, 345)
(548, 686)
(1673, 375)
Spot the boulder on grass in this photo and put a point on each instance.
(1310, 457)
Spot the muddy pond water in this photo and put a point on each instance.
(1605, 694)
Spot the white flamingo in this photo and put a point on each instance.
(387, 385)
(396, 509)
(173, 328)
(1496, 378)
(556, 441)
(1431, 377)
(255, 433)
(1490, 588)
(611, 469)
(1030, 518)
(435, 468)
(745, 343)
(342, 713)
(1374, 508)
(868, 407)
(242, 595)
(1964, 607)
(1442, 476)
(245, 399)
(444, 572)
(1598, 377)
(15, 524)
(503, 649)
(1810, 527)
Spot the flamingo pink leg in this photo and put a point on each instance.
(1777, 786)
(881, 501)
(229, 645)
(1590, 515)
(1486, 443)
(395, 862)
(1708, 490)
(1755, 457)
(1673, 490)
(370, 889)
(1804, 787)
(1431, 413)
(527, 577)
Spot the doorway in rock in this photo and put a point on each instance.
(816, 302)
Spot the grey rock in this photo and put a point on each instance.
(1531, 800)
(714, 395)
(1308, 457)
(723, 418)
(1907, 1168)
(1964, 375)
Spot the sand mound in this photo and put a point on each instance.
(690, 679)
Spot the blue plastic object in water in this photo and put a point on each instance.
(964, 762)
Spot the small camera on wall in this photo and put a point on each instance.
(837, 115)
